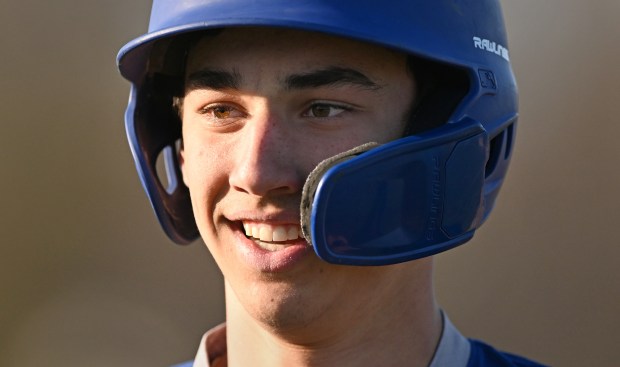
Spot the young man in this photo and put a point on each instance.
(374, 134)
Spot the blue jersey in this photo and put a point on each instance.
(484, 355)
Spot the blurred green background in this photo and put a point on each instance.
(87, 278)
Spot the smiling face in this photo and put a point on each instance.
(262, 108)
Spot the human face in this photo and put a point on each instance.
(262, 108)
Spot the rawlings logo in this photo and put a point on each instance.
(496, 48)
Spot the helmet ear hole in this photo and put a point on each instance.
(167, 168)
(509, 140)
(501, 143)
(495, 147)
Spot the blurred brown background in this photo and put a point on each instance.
(87, 278)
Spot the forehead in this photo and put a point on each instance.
(285, 49)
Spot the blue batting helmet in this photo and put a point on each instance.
(413, 197)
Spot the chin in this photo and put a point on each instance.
(281, 306)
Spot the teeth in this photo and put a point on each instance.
(267, 233)
(279, 234)
(293, 233)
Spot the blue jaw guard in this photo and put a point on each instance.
(411, 198)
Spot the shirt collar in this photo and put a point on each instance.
(453, 348)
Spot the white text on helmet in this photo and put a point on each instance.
(496, 48)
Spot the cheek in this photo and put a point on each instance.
(206, 187)
(204, 173)
(202, 159)
(194, 166)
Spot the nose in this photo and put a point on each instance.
(265, 161)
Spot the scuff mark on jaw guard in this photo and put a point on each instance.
(312, 182)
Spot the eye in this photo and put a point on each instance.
(220, 112)
(325, 110)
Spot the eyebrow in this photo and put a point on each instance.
(213, 79)
(330, 77)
